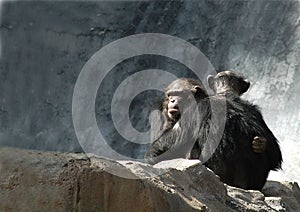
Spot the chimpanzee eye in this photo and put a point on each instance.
(181, 93)
(172, 93)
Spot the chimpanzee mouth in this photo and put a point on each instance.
(173, 111)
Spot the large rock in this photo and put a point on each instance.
(49, 181)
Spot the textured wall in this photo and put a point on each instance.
(46, 44)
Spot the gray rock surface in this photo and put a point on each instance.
(45, 44)
(50, 181)
(282, 196)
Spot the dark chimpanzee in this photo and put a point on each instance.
(232, 85)
(188, 123)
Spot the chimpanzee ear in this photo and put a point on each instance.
(245, 87)
(210, 81)
(196, 89)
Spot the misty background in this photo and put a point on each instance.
(44, 46)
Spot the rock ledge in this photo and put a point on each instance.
(50, 181)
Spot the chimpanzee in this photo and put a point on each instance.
(232, 85)
(172, 126)
(185, 132)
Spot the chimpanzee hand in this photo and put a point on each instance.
(259, 144)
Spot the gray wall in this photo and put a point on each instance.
(46, 44)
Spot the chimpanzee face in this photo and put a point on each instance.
(179, 94)
(176, 100)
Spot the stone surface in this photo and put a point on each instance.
(282, 196)
(51, 181)
(45, 44)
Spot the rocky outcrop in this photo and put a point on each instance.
(50, 181)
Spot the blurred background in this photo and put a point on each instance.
(44, 46)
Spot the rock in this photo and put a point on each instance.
(50, 181)
(241, 199)
(39, 180)
(282, 196)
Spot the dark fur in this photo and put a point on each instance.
(232, 84)
(234, 161)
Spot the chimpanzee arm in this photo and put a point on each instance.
(260, 128)
(156, 121)
(159, 147)
(176, 142)
(272, 147)
(172, 144)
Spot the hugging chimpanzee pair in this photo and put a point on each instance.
(228, 131)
